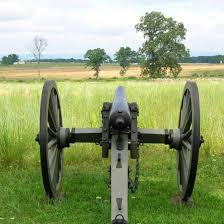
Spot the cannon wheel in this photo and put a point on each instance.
(51, 155)
(187, 155)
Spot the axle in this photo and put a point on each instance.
(171, 137)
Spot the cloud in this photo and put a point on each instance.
(72, 26)
(13, 11)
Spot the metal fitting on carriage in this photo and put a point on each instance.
(175, 139)
(63, 137)
(119, 219)
(105, 129)
(134, 130)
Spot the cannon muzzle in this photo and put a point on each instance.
(120, 117)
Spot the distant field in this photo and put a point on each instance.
(79, 71)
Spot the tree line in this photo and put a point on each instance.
(160, 54)
(216, 59)
(12, 58)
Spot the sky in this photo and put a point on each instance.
(72, 27)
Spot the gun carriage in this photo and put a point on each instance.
(120, 134)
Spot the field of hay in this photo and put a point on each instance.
(79, 71)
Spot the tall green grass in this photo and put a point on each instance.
(81, 102)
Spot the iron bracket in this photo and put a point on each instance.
(105, 129)
(134, 130)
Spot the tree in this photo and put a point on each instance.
(40, 45)
(10, 59)
(95, 59)
(125, 56)
(163, 46)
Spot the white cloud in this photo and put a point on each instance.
(72, 27)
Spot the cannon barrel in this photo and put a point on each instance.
(120, 117)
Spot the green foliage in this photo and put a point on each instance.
(10, 59)
(125, 56)
(96, 57)
(163, 46)
(215, 59)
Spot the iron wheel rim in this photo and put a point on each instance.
(51, 154)
(187, 156)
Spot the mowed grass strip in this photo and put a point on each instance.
(88, 198)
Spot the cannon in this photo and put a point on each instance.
(120, 134)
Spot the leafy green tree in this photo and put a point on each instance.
(96, 57)
(10, 59)
(163, 46)
(125, 56)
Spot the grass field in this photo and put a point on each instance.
(85, 173)
(76, 71)
(22, 196)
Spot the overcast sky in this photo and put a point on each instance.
(71, 27)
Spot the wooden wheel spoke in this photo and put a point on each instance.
(54, 106)
(186, 108)
(53, 154)
(187, 144)
(187, 121)
(51, 132)
(184, 165)
(187, 135)
(52, 143)
(55, 168)
(185, 100)
(185, 160)
(183, 111)
(188, 100)
(51, 119)
(182, 173)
